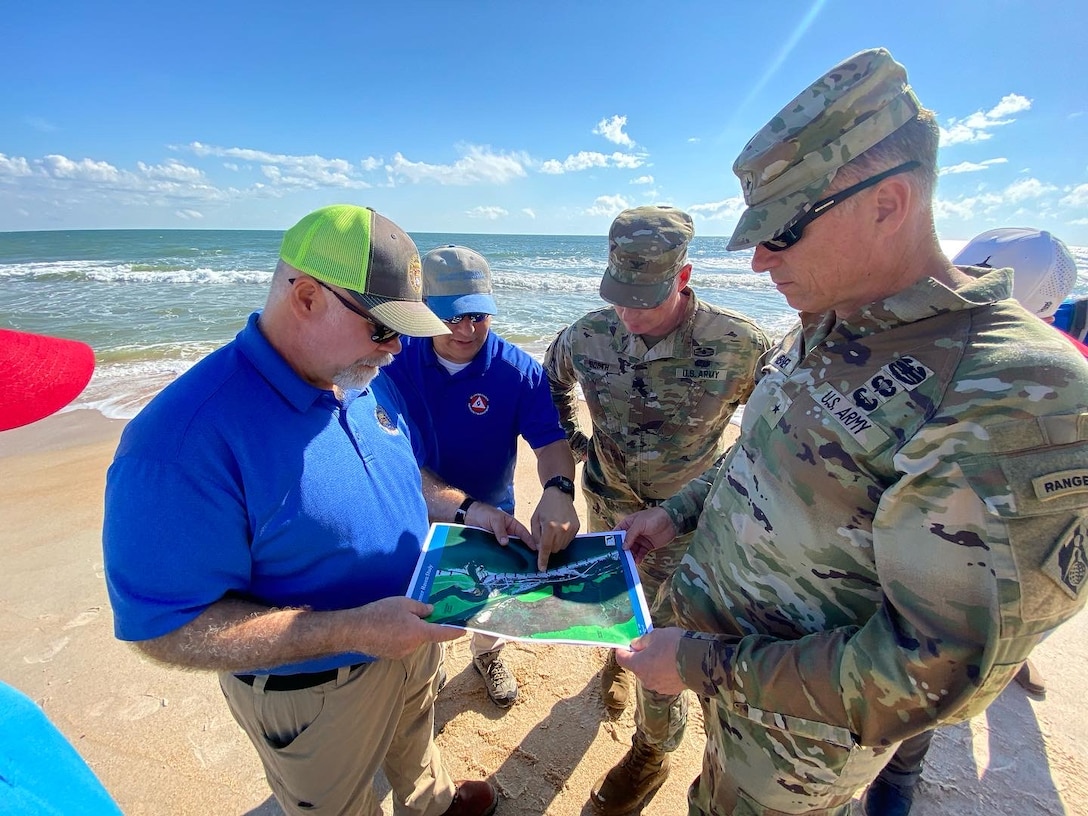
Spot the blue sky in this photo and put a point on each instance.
(506, 117)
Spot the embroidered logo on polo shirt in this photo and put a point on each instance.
(385, 421)
(478, 404)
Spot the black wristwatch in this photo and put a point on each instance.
(563, 483)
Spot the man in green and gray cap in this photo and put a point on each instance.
(264, 515)
(905, 514)
(662, 372)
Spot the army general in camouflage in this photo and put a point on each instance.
(904, 515)
(662, 373)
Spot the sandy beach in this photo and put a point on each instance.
(163, 742)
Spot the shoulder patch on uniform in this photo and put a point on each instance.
(699, 373)
(1062, 483)
(1067, 566)
(385, 421)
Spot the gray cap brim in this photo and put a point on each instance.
(409, 317)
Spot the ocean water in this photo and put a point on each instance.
(153, 302)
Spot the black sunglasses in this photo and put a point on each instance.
(381, 333)
(472, 317)
(793, 233)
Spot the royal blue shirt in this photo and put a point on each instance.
(477, 414)
(242, 479)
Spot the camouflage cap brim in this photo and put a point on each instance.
(634, 295)
(767, 220)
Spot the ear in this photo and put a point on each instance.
(304, 298)
(684, 275)
(894, 198)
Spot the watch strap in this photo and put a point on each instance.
(462, 511)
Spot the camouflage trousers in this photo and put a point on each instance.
(752, 768)
(660, 719)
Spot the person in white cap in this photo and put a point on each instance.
(478, 393)
(265, 512)
(1044, 273)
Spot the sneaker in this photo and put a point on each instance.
(1030, 680)
(632, 783)
(885, 799)
(616, 685)
(477, 798)
(501, 686)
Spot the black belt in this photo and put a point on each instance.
(295, 682)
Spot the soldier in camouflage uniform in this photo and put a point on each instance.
(904, 516)
(662, 373)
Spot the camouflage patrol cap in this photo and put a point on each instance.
(647, 247)
(786, 166)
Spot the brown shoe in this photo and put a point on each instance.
(632, 783)
(616, 685)
(477, 798)
(1031, 679)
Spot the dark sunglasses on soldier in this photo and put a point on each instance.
(793, 233)
(472, 317)
(381, 333)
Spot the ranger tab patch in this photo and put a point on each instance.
(1062, 483)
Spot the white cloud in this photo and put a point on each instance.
(189, 215)
(307, 172)
(694, 140)
(529, 212)
(14, 166)
(971, 167)
(992, 204)
(61, 167)
(609, 205)
(477, 165)
(643, 180)
(612, 129)
(976, 127)
(231, 166)
(728, 209)
(1023, 189)
(1075, 197)
(587, 159)
(1079, 222)
(490, 213)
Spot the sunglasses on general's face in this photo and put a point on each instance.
(472, 317)
(381, 333)
(792, 234)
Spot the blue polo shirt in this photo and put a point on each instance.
(477, 414)
(242, 479)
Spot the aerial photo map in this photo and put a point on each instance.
(590, 594)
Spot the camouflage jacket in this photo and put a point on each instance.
(658, 414)
(902, 520)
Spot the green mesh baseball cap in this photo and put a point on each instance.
(647, 247)
(372, 258)
(791, 161)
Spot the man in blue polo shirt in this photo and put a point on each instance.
(264, 514)
(478, 393)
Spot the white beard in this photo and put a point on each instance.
(361, 373)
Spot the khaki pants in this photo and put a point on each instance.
(322, 746)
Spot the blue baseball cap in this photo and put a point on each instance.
(457, 281)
